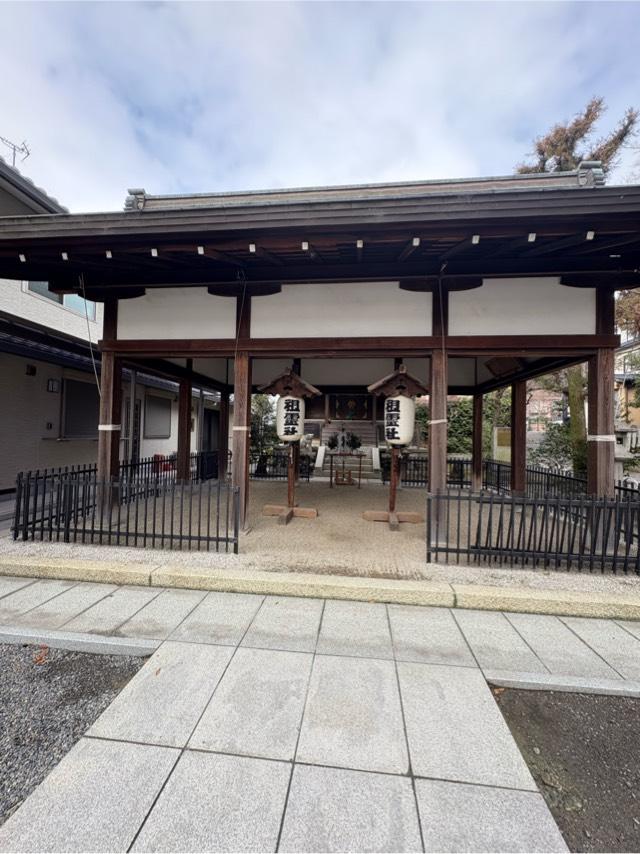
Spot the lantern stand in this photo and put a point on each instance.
(394, 387)
(290, 425)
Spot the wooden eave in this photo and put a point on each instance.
(346, 241)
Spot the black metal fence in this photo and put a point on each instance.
(583, 534)
(273, 464)
(414, 470)
(145, 506)
(496, 477)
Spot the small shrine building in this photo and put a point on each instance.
(471, 284)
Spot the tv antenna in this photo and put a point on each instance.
(23, 149)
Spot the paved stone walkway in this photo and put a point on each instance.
(263, 723)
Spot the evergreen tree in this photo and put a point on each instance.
(562, 149)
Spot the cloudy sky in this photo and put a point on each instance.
(193, 97)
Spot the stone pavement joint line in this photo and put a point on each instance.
(274, 723)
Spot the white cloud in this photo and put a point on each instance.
(182, 97)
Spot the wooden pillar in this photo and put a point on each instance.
(519, 437)
(131, 456)
(374, 419)
(438, 422)
(601, 441)
(183, 471)
(241, 429)
(109, 427)
(223, 435)
(476, 443)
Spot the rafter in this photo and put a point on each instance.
(409, 249)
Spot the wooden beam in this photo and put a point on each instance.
(605, 311)
(241, 430)
(456, 249)
(264, 254)
(614, 243)
(476, 443)
(507, 345)
(545, 248)
(601, 440)
(251, 289)
(412, 246)
(197, 275)
(223, 257)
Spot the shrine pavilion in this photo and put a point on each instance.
(470, 284)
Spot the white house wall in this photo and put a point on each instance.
(350, 310)
(524, 306)
(15, 299)
(177, 313)
(26, 440)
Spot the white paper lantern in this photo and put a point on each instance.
(399, 420)
(290, 418)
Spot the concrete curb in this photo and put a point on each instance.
(569, 684)
(306, 584)
(567, 603)
(78, 641)
(572, 603)
(101, 571)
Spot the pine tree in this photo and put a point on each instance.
(562, 149)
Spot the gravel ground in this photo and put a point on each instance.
(584, 753)
(48, 699)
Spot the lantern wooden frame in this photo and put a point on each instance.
(289, 384)
(399, 383)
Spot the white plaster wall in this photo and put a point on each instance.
(524, 306)
(17, 300)
(214, 368)
(345, 371)
(356, 309)
(25, 408)
(177, 313)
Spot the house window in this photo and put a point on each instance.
(157, 417)
(73, 302)
(81, 406)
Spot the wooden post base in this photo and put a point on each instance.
(286, 514)
(393, 518)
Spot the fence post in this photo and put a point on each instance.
(67, 504)
(236, 518)
(428, 529)
(25, 507)
(16, 512)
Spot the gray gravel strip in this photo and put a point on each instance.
(48, 698)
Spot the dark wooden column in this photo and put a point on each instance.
(519, 437)
(109, 427)
(438, 394)
(601, 440)
(223, 435)
(476, 444)
(241, 429)
(438, 422)
(183, 469)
